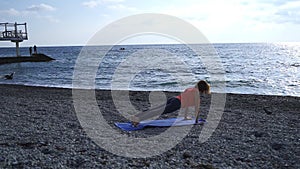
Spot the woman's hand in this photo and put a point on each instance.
(188, 118)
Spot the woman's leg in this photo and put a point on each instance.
(172, 105)
(156, 111)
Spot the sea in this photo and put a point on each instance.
(243, 68)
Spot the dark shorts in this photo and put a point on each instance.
(172, 105)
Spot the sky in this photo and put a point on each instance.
(74, 22)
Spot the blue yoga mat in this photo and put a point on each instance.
(127, 126)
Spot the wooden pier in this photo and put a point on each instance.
(34, 58)
(14, 32)
(17, 32)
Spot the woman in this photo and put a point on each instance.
(190, 97)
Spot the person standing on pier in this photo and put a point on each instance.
(30, 51)
(35, 49)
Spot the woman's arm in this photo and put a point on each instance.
(186, 114)
(197, 106)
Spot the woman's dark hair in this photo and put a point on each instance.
(203, 87)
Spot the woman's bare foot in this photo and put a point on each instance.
(135, 121)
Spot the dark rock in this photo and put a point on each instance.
(227, 111)
(228, 138)
(75, 162)
(146, 163)
(103, 161)
(27, 145)
(2, 159)
(186, 155)
(243, 159)
(4, 144)
(258, 134)
(42, 143)
(203, 166)
(20, 164)
(267, 111)
(240, 159)
(60, 148)
(277, 146)
(47, 151)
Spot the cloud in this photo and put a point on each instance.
(41, 7)
(121, 7)
(27, 11)
(288, 13)
(112, 1)
(49, 18)
(10, 12)
(91, 4)
(272, 11)
(276, 2)
(95, 3)
(31, 12)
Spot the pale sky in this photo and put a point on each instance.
(74, 22)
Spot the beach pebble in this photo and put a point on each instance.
(43, 143)
(267, 110)
(277, 146)
(75, 162)
(186, 155)
(27, 145)
(47, 151)
(2, 159)
(258, 134)
(204, 166)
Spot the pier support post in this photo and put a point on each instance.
(17, 48)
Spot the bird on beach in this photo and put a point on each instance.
(9, 77)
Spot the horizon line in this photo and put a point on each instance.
(135, 44)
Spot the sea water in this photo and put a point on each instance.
(246, 68)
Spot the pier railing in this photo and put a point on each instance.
(13, 32)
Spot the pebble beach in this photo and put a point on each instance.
(39, 129)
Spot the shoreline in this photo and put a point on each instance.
(69, 88)
(40, 128)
